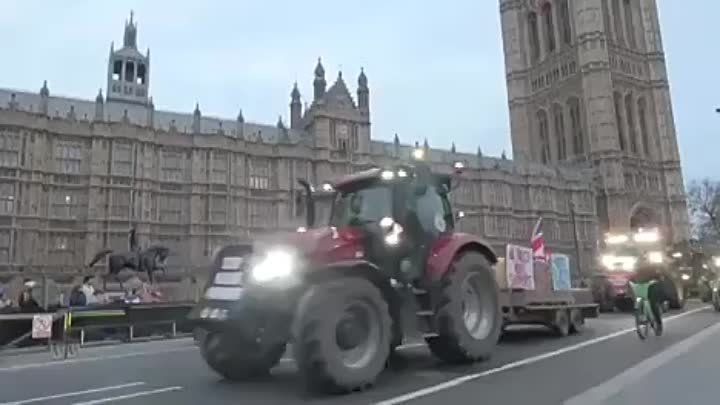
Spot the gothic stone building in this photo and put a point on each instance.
(75, 174)
(587, 83)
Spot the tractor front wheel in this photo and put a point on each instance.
(468, 315)
(238, 359)
(343, 335)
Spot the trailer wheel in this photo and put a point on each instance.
(237, 359)
(561, 323)
(343, 336)
(577, 321)
(468, 315)
(677, 299)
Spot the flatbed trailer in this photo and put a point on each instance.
(562, 311)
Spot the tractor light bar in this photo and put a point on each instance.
(616, 239)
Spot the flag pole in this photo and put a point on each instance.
(576, 239)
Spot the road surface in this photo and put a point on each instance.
(529, 366)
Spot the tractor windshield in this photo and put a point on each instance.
(361, 206)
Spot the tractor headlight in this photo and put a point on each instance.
(655, 257)
(275, 264)
(685, 277)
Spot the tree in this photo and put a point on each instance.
(704, 206)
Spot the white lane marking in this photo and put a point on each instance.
(94, 359)
(129, 396)
(600, 393)
(73, 394)
(530, 360)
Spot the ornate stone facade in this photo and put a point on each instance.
(75, 174)
(587, 82)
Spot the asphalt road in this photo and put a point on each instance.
(529, 366)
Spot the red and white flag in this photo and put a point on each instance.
(537, 242)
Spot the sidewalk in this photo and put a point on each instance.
(685, 373)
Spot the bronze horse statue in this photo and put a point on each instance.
(146, 261)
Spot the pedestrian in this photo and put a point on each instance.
(89, 291)
(5, 302)
(27, 302)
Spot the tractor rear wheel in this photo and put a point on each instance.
(468, 316)
(238, 359)
(343, 335)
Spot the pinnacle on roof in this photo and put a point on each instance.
(197, 108)
(397, 139)
(295, 95)
(362, 79)
(99, 98)
(280, 123)
(44, 92)
(130, 38)
(240, 117)
(452, 148)
(319, 69)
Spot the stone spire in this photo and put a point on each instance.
(130, 37)
(319, 84)
(197, 116)
(99, 107)
(452, 148)
(44, 96)
(240, 125)
(295, 108)
(151, 113)
(396, 146)
(363, 92)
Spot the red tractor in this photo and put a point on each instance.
(388, 264)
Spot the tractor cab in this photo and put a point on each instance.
(396, 214)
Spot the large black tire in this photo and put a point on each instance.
(237, 359)
(325, 366)
(676, 294)
(456, 342)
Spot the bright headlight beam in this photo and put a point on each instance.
(276, 264)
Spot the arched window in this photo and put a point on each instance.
(534, 35)
(629, 23)
(544, 135)
(565, 22)
(576, 129)
(642, 120)
(559, 120)
(617, 20)
(630, 117)
(619, 121)
(549, 26)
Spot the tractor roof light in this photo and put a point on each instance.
(677, 255)
(387, 175)
(646, 236)
(402, 173)
(616, 239)
(327, 187)
(458, 167)
(418, 154)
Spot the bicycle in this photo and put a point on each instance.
(644, 317)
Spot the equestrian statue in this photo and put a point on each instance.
(146, 261)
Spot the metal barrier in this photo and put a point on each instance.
(71, 327)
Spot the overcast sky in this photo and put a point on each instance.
(435, 68)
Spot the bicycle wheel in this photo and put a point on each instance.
(641, 320)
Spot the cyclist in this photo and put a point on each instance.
(646, 273)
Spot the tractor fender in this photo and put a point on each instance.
(447, 248)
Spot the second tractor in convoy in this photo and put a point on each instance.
(620, 256)
(388, 265)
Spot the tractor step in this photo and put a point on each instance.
(430, 335)
(419, 291)
(425, 313)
